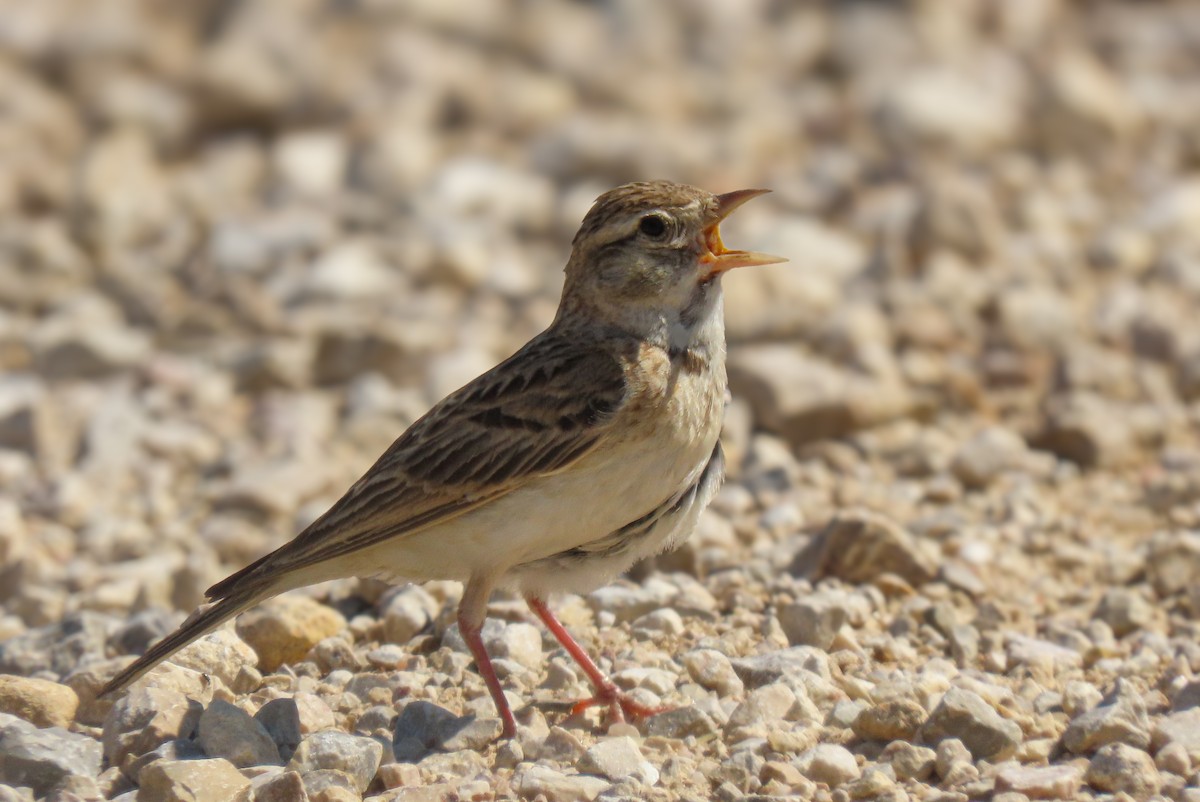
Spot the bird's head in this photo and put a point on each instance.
(649, 256)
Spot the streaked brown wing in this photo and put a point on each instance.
(534, 414)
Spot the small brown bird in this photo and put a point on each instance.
(592, 447)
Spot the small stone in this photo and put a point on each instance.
(1040, 782)
(408, 612)
(814, 621)
(40, 702)
(227, 731)
(1180, 729)
(222, 654)
(356, 756)
(860, 547)
(1079, 697)
(626, 603)
(558, 787)
(1122, 719)
(1173, 758)
(213, 780)
(315, 714)
(280, 719)
(43, 758)
(284, 629)
(617, 759)
(1173, 562)
(1088, 430)
(1125, 611)
(763, 706)
(1120, 767)
(712, 670)
(423, 726)
(910, 762)
(988, 454)
(519, 642)
(145, 718)
(330, 785)
(286, 786)
(658, 623)
(57, 647)
(953, 763)
(828, 763)
(804, 397)
(680, 723)
(965, 716)
(893, 720)
(1022, 650)
(561, 746)
(785, 664)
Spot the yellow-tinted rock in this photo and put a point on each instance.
(284, 629)
(38, 701)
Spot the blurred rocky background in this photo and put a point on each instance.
(244, 243)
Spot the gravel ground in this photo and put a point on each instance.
(244, 244)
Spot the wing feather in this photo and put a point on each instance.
(534, 414)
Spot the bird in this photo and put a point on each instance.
(593, 446)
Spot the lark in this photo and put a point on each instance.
(594, 446)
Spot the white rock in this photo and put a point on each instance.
(828, 763)
(617, 759)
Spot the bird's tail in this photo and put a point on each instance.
(198, 625)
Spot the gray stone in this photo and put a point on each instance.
(357, 756)
(424, 726)
(711, 669)
(909, 761)
(815, 620)
(408, 612)
(145, 718)
(627, 603)
(286, 786)
(828, 763)
(860, 546)
(771, 667)
(965, 716)
(41, 759)
(558, 787)
(680, 723)
(763, 706)
(330, 785)
(1118, 767)
(1183, 729)
(1040, 782)
(1173, 563)
(214, 780)
(519, 642)
(177, 749)
(1125, 610)
(988, 454)
(280, 718)
(617, 759)
(58, 647)
(228, 731)
(1121, 719)
(892, 720)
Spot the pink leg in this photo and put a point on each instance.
(619, 704)
(471, 612)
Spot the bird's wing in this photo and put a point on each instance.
(532, 415)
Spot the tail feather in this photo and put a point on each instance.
(197, 626)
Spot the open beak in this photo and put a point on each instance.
(716, 257)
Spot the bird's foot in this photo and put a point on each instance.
(621, 706)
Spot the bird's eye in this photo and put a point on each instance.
(653, 226)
